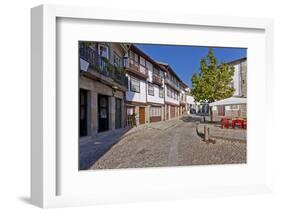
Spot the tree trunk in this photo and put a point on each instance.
(211, 113)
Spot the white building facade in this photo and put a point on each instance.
(154, 90)
(239, 83)
(145, 95)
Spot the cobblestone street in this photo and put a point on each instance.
(174, 143)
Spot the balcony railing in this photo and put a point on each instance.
(136, 68)
(172, 84)
(157, 79)
(102, 65)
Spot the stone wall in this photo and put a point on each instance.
(95, 88)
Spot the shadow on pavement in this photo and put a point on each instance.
(90, 152)
(190, 119)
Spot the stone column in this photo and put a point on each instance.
(147, 114)
(94, 113)
(163, 113)
(169, 112)
(124, 114)
(137, 115)
(111, 118)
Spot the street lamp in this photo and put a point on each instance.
(114, 88)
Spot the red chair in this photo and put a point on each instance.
(244, 124)
(225, 123)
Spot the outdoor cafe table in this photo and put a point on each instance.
(238, 121)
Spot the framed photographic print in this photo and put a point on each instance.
(130, 106)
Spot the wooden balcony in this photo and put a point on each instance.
(157, 79)
(172, 84)
(136, 70)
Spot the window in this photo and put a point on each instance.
(135, 85)
(150, 89)
(156, 71)
(130, 110)
(168, 92)
(161, 73)
(116, 60)
(234, 107)
(131, 57)
(161, 92)
(142, 67)
(155, 111)
(142, 61)
(103, 51)
(134, 58)
(148, 65)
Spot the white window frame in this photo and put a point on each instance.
(119, 60)
(105, 47)
(161, 92)
(150, 89)
(131, 83)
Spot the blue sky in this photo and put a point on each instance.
(185, 60)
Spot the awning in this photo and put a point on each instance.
(229, 101)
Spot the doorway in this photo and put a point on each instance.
(142, 115)
(118, 113)
(172, 112)
(103, 113)
(83, 111)
(221, 110)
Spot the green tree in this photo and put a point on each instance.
(213, 81)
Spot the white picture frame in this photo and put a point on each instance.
(44, 149)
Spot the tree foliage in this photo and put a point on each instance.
(213, 81)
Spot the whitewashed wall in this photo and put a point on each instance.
(236, 80)
(149, 67)
(189, 99)
(134, 96)
(169, 99)
(155, 98)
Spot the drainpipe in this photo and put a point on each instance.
(240, 79)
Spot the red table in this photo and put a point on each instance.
(239, 122)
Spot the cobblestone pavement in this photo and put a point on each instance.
(170, 143)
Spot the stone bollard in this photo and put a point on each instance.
(206, 134)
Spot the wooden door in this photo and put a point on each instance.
(142, 115)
